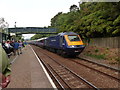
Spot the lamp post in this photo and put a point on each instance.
(15, 31)
(7, 31)
(7, 25)
(15, 27)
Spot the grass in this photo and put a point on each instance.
(96, 50)
(118, 59)
(107, 48)
(96, 56)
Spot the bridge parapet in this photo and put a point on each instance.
(29, 30)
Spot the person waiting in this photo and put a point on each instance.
(20, 46)
(16, 47)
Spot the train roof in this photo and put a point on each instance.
(67, 33)
(42, 39)
(64, 33)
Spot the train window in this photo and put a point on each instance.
(73, 38)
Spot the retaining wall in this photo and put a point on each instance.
(109, 42)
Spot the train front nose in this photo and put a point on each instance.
(75, 49)
(74, 44)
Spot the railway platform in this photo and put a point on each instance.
(28, 71)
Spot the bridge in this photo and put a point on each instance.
(32, 30)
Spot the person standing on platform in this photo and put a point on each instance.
(8, 48)
(20, 46)
(4, 47)
(25, 43)
(5, 68)
(16, 47)
(12, 49)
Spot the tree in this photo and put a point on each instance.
(54, 19)
(37, 36)
(3, 25)
(94, 19)
(74, 8)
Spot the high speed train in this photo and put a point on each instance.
(66, 43)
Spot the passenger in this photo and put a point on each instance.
(5, 70)
(25, 43)
(12, 49)
(16, 47)
(4, 47)
(3, 42)
(20, 46)
(8, 48)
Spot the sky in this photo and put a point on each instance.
(33, 13)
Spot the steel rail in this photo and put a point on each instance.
(97, 71)
(59, 76)
(103, 65)
(75, 74)
(97, 64)
(51, 73)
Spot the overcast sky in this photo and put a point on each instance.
(33, 13)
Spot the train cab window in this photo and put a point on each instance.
(73, 38)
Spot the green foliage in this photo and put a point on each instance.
(118, 59)
(96, 56)
(117, 31)
(74, 8)
(37, 36)
(96, 50)
(94, 19)
(117, 21)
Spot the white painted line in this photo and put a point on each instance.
(49, 78)
(14, 59)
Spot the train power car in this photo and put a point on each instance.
(67, 43)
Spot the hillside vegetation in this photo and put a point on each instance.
(90, 19)
(93, 19)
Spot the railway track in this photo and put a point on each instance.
(59, 69)
(103, 65)
(67, 78)
(102, 69)
(110, 72)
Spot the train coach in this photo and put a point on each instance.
(41, 42)
(67, 43)
(38, 42)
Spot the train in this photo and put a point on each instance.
(65, 43)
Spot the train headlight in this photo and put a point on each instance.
(71, 46)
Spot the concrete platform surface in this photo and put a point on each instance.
(27, 72)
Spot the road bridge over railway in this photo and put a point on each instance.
(32, 30)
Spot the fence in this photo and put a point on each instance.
(110, 42)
